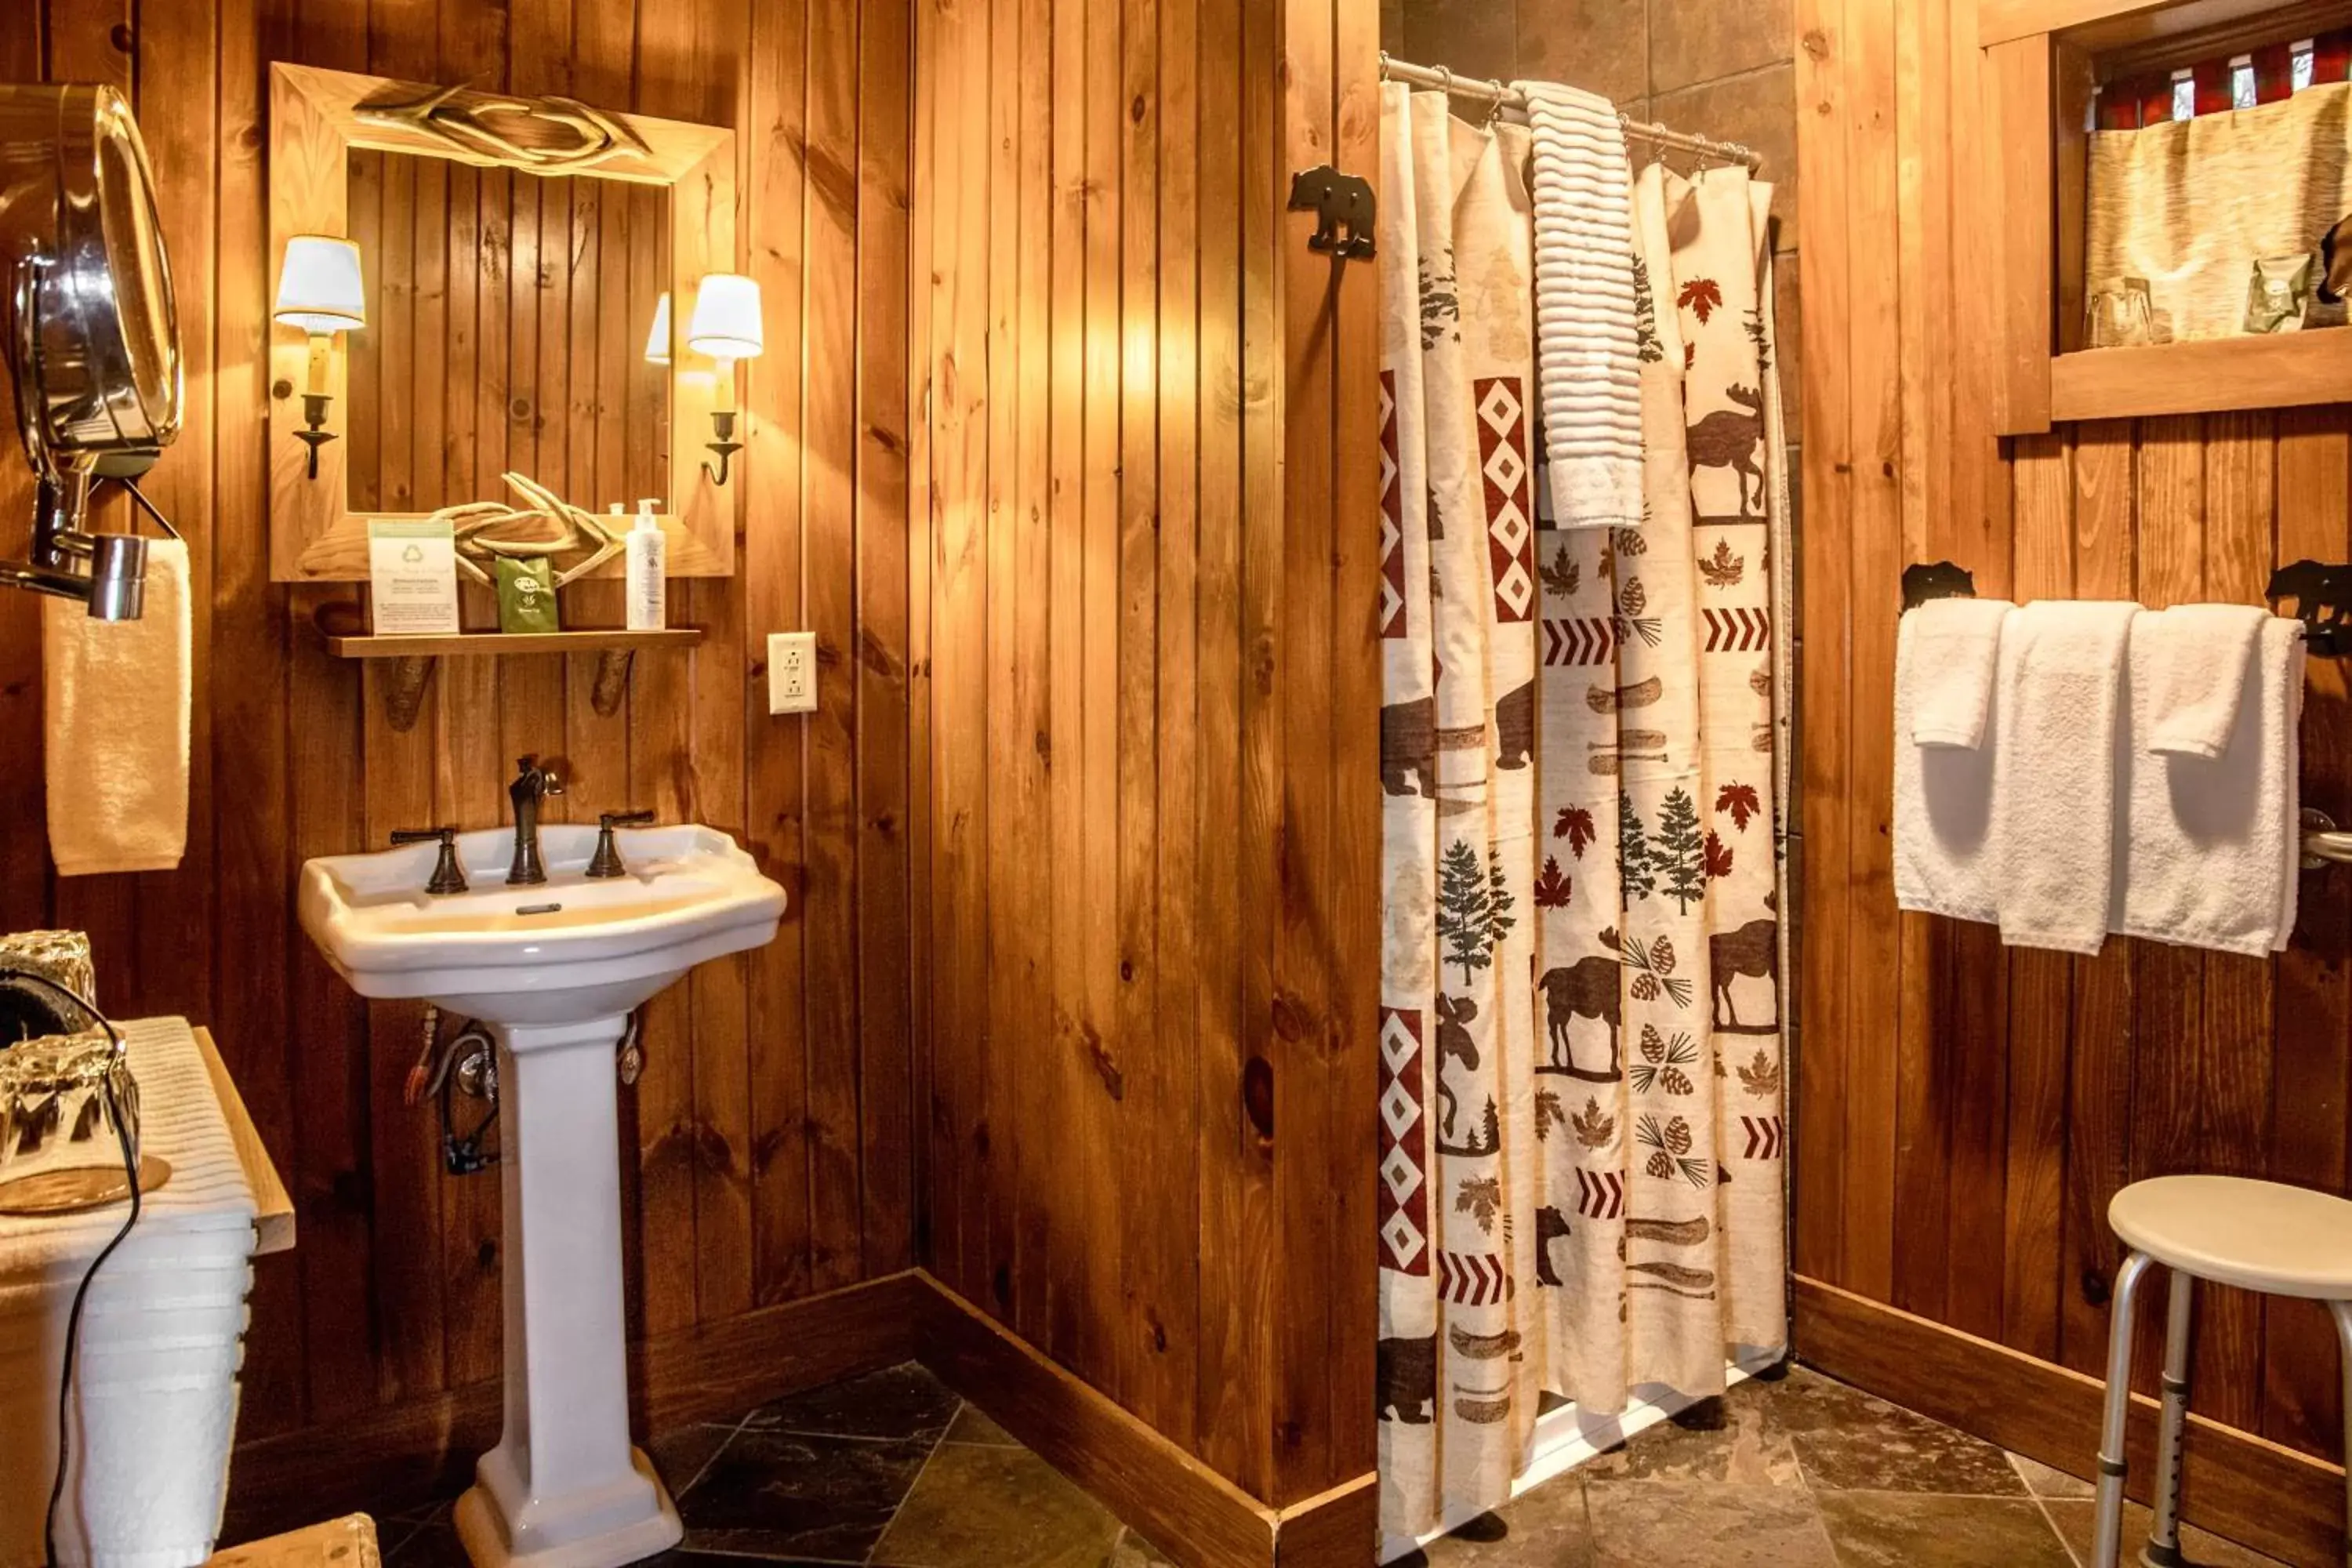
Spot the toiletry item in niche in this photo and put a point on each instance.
(2278, 294)
(2120, 314)
(648, 568)
(412, 571)
(527, 594)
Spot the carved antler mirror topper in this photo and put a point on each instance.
(465, 121)
(492, 364)
(475, 523)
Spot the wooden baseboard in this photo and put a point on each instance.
(1187, 1510)
(2247, 1488)
(426, 1447)
(423, 1447)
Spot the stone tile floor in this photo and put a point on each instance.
(1790, 1471)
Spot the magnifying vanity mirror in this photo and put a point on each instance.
(92, 337)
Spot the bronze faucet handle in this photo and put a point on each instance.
(448, 874)
(528, 770)
(607, 861)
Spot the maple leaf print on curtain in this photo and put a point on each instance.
(1701, 296)
(1575, 825)
(1739, 801)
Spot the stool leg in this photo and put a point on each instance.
(2107, 1540)
(2343, 1313)
(2163, 1537)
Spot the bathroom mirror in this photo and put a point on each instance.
(507, 325)
(512, 259)
(91, 336)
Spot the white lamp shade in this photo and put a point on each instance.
(319, 288)
(657, 340)
(726, 322)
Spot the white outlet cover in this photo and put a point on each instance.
(791, 672)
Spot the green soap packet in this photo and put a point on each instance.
(527, 594)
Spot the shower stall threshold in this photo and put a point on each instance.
(1565, 1438)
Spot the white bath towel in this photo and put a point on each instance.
(1948, 654)
(2060, 693)
(115, 714)
(1588, 336)
(2193, 660)
(1942, 800)
(2213, 851)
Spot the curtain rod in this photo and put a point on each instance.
(1504, 98)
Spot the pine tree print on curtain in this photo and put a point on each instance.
(1719, 264)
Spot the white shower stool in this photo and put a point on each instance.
(2257, 1235)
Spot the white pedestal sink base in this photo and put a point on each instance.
(563, 1489)
(582, 1536)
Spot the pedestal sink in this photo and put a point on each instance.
(554, 970)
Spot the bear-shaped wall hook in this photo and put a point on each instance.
(1339, 202)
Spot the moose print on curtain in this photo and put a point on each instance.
(1581, 1161)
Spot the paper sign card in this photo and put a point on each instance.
(413, 569)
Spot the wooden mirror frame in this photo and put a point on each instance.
(315, 121)
(2042, 59)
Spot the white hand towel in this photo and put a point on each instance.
(2213, 852)
(115, 709)
(1588, 337)
(1943, 798)
(1950, 653)
(2195, 672)
(2053, 796)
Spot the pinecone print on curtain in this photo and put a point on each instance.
(1732, 400)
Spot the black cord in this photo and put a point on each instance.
(124, 1138)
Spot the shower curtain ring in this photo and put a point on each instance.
(1445, 80)
(1494, 109)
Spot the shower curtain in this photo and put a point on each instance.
(1582, 1151)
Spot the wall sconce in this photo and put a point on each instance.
(726, 326)
(657, 340)
(318, 290)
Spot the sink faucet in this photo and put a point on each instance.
(532, 784)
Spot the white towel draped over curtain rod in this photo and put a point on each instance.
(1506, 101)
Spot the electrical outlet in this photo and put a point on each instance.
(791, 672)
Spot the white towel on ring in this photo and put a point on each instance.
(2193, 660)
(1588, 337)
(2055, 813)
(2213, 851)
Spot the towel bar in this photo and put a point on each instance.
(2322, 843)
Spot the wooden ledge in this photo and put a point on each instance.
(273, 1218)
(2209, 375)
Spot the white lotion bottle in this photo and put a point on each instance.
(648, 589)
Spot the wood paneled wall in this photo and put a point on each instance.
(1965, 1111)
(1149, 476)
(773, 1135)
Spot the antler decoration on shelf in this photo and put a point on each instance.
(574, 530)
(464, 126)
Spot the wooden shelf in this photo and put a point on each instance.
(2212, 376)
(407, 662)
(463, 643)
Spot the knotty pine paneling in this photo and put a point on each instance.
(1146, 474)
(769, 1147)
(1965, 1112)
